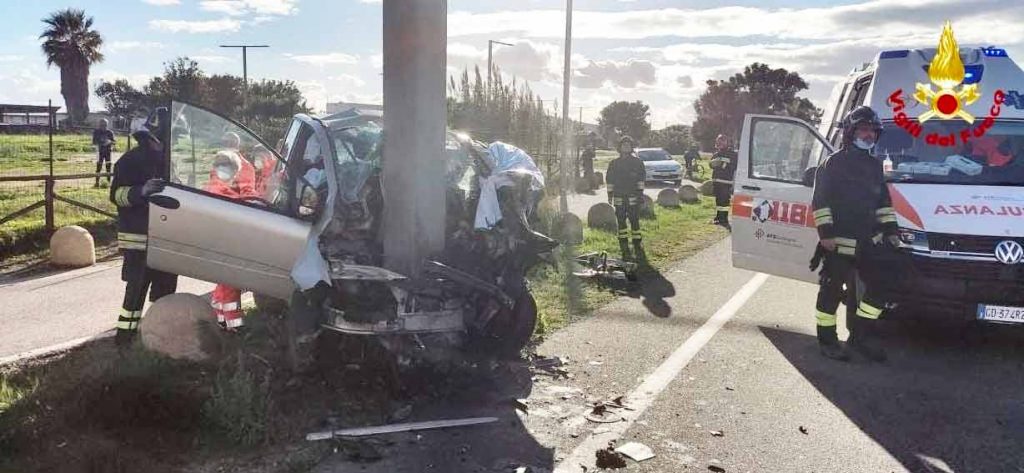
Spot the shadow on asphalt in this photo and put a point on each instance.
(943, 402)
(651, 287)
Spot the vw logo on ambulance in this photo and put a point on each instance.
(1009, 252)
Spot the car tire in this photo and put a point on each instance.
(511, 330)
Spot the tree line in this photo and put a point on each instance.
(270, 106)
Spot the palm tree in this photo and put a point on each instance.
(72, 45)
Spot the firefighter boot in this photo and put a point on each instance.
(864, 340)
(828, 343)
(124, 338)
(627, 255)
(638, 250)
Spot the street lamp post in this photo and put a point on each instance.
(490, 55)
(566, 137)
(245, 68)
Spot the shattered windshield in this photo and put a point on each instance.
(997, 158)
(358, 150)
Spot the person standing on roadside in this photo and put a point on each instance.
(626, 176)
(723, 165)
(103, 140)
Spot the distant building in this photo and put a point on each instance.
(338, 107)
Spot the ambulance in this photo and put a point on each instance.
(953, 149)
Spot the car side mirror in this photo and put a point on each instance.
(809, 176)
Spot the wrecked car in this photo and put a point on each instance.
(313, 228)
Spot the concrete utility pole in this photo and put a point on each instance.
(415, 40)
(245, 67)
(490, 55)
(563, 203)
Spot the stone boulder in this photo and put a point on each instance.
(183, 327)
(569, 229)
(647, 211)
(707, 188)
(689, 194)
(72, 247)
(668, 198)
(602, 215)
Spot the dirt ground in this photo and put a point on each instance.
(95, 409)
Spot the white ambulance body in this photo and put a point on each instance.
(960, 206)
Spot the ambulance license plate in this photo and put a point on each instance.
(998, 313)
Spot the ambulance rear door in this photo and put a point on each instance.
(773, 225)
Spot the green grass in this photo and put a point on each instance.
(239, 405)
(671, 236)
(19, 235)
(29, 154)
(11, 393)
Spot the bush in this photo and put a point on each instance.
(239, 405)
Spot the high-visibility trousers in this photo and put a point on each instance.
(627, 210)
(138, 281)
(839, 272)
(227, 304)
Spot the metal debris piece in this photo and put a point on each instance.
(599, 264)
(548, 363)
(716, 469)
(717, 433)
(610, 459)
(521, 405)
(727, 388)
(395, 428)
(636, 451)
(803, 430)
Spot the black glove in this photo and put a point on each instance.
(153, 186)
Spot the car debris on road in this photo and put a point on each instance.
(396, 428)
(636, 451)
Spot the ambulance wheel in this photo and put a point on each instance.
(268, 304)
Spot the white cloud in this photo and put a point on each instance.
(136, 80)
(226, 25)
(626, 74)
(246, 7)
(878, 18)
(377, 60)
(348, 81)
(10, 58)
(370, 1)
(162, 3)
(323, 59)
(121, 46)
(227, 7)
(213, 58)
(524, 59)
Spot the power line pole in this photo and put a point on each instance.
(245, 68)
(490, 55)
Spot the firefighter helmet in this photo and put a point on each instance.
(861, 114)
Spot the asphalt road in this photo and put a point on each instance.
(756, 397)
(61, 307)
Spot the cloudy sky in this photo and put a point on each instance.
(658, 51)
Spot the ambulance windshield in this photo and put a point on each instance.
(940, 154)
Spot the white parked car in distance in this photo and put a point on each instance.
(660, 166)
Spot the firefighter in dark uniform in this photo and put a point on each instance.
(723, 165)
(626, 176)
(137, 175)
(857, 226)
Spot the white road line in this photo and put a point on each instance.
(644, 395)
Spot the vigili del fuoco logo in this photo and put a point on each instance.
(948, 98)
